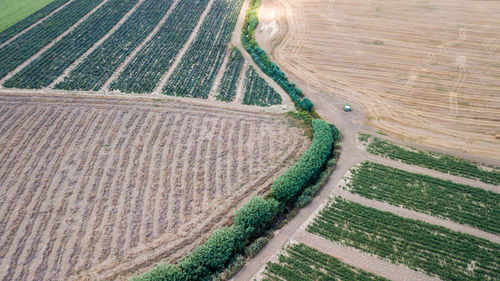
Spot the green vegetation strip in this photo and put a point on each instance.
(439, 162)
(258, 92)
(196, 72)
(227, 87)
(303, 263)
(457, 202)
(23, 47)
(224, 247)
(421, 246)
(92, 73)
(52, 63)
(262, 60)
(17, 15)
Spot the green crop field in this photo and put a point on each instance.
(457, 202)
(305, 263)
(433, 249)
(431, 160)
(12, 11)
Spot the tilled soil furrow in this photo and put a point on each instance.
(151, 178)
(233, 145)
(165, 199)
(201, 171)
(82, 210)
(16, 194)
(187, 170)
(208, 194)
(129, 168)
(177, 175)
(46, 232)
(41, 266)
(139, 185)
(29, 207)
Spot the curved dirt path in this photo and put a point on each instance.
(35, 24)
(48, 46)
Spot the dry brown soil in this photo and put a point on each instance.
(96, 187)
(425, 71)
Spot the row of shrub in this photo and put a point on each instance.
(262, 60)
(253, 218)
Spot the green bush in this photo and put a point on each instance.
(288, 186)
(255, 215)
(254, 248)
(211, 257)
(162, 272)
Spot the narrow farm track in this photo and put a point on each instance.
(361, 260)
(51, 44)
(35, 24)
(96, 45)
(432, 80)
(113, 189)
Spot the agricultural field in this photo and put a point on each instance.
(257, 91)
(457, 202)
(424, 71)
(300, 262)
(119, 184)
(433, 249)
(17, 15)
(228, 85)
(439, 162)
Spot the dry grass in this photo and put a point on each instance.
(427, 71)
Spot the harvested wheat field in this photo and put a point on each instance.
(105, 187)
(427, 71)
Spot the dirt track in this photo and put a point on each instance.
(425, 71)
(105, 186)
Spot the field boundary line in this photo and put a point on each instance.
(429, 172)
(148, 38)
(35, 24)
(240, 89)
(410, 214)
(184, 49)
(51, 44)
(96, 45)
(220, 74)
(395, 272)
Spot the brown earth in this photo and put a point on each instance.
(102, 188)
(424, 71)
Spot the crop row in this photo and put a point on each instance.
(195, 74)
(439, 162)
(22, 48)
(303, 263)
(457, 202)
(94, 71)
(145, 70)
(434, 249)
(30, 20)
(257, 91)
(227, 87)
(52, 63)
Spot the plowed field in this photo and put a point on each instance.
(103, 187)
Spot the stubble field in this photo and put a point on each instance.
(104, 187)
(427, 71)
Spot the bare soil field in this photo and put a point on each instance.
(101, 188)
(425, 71)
